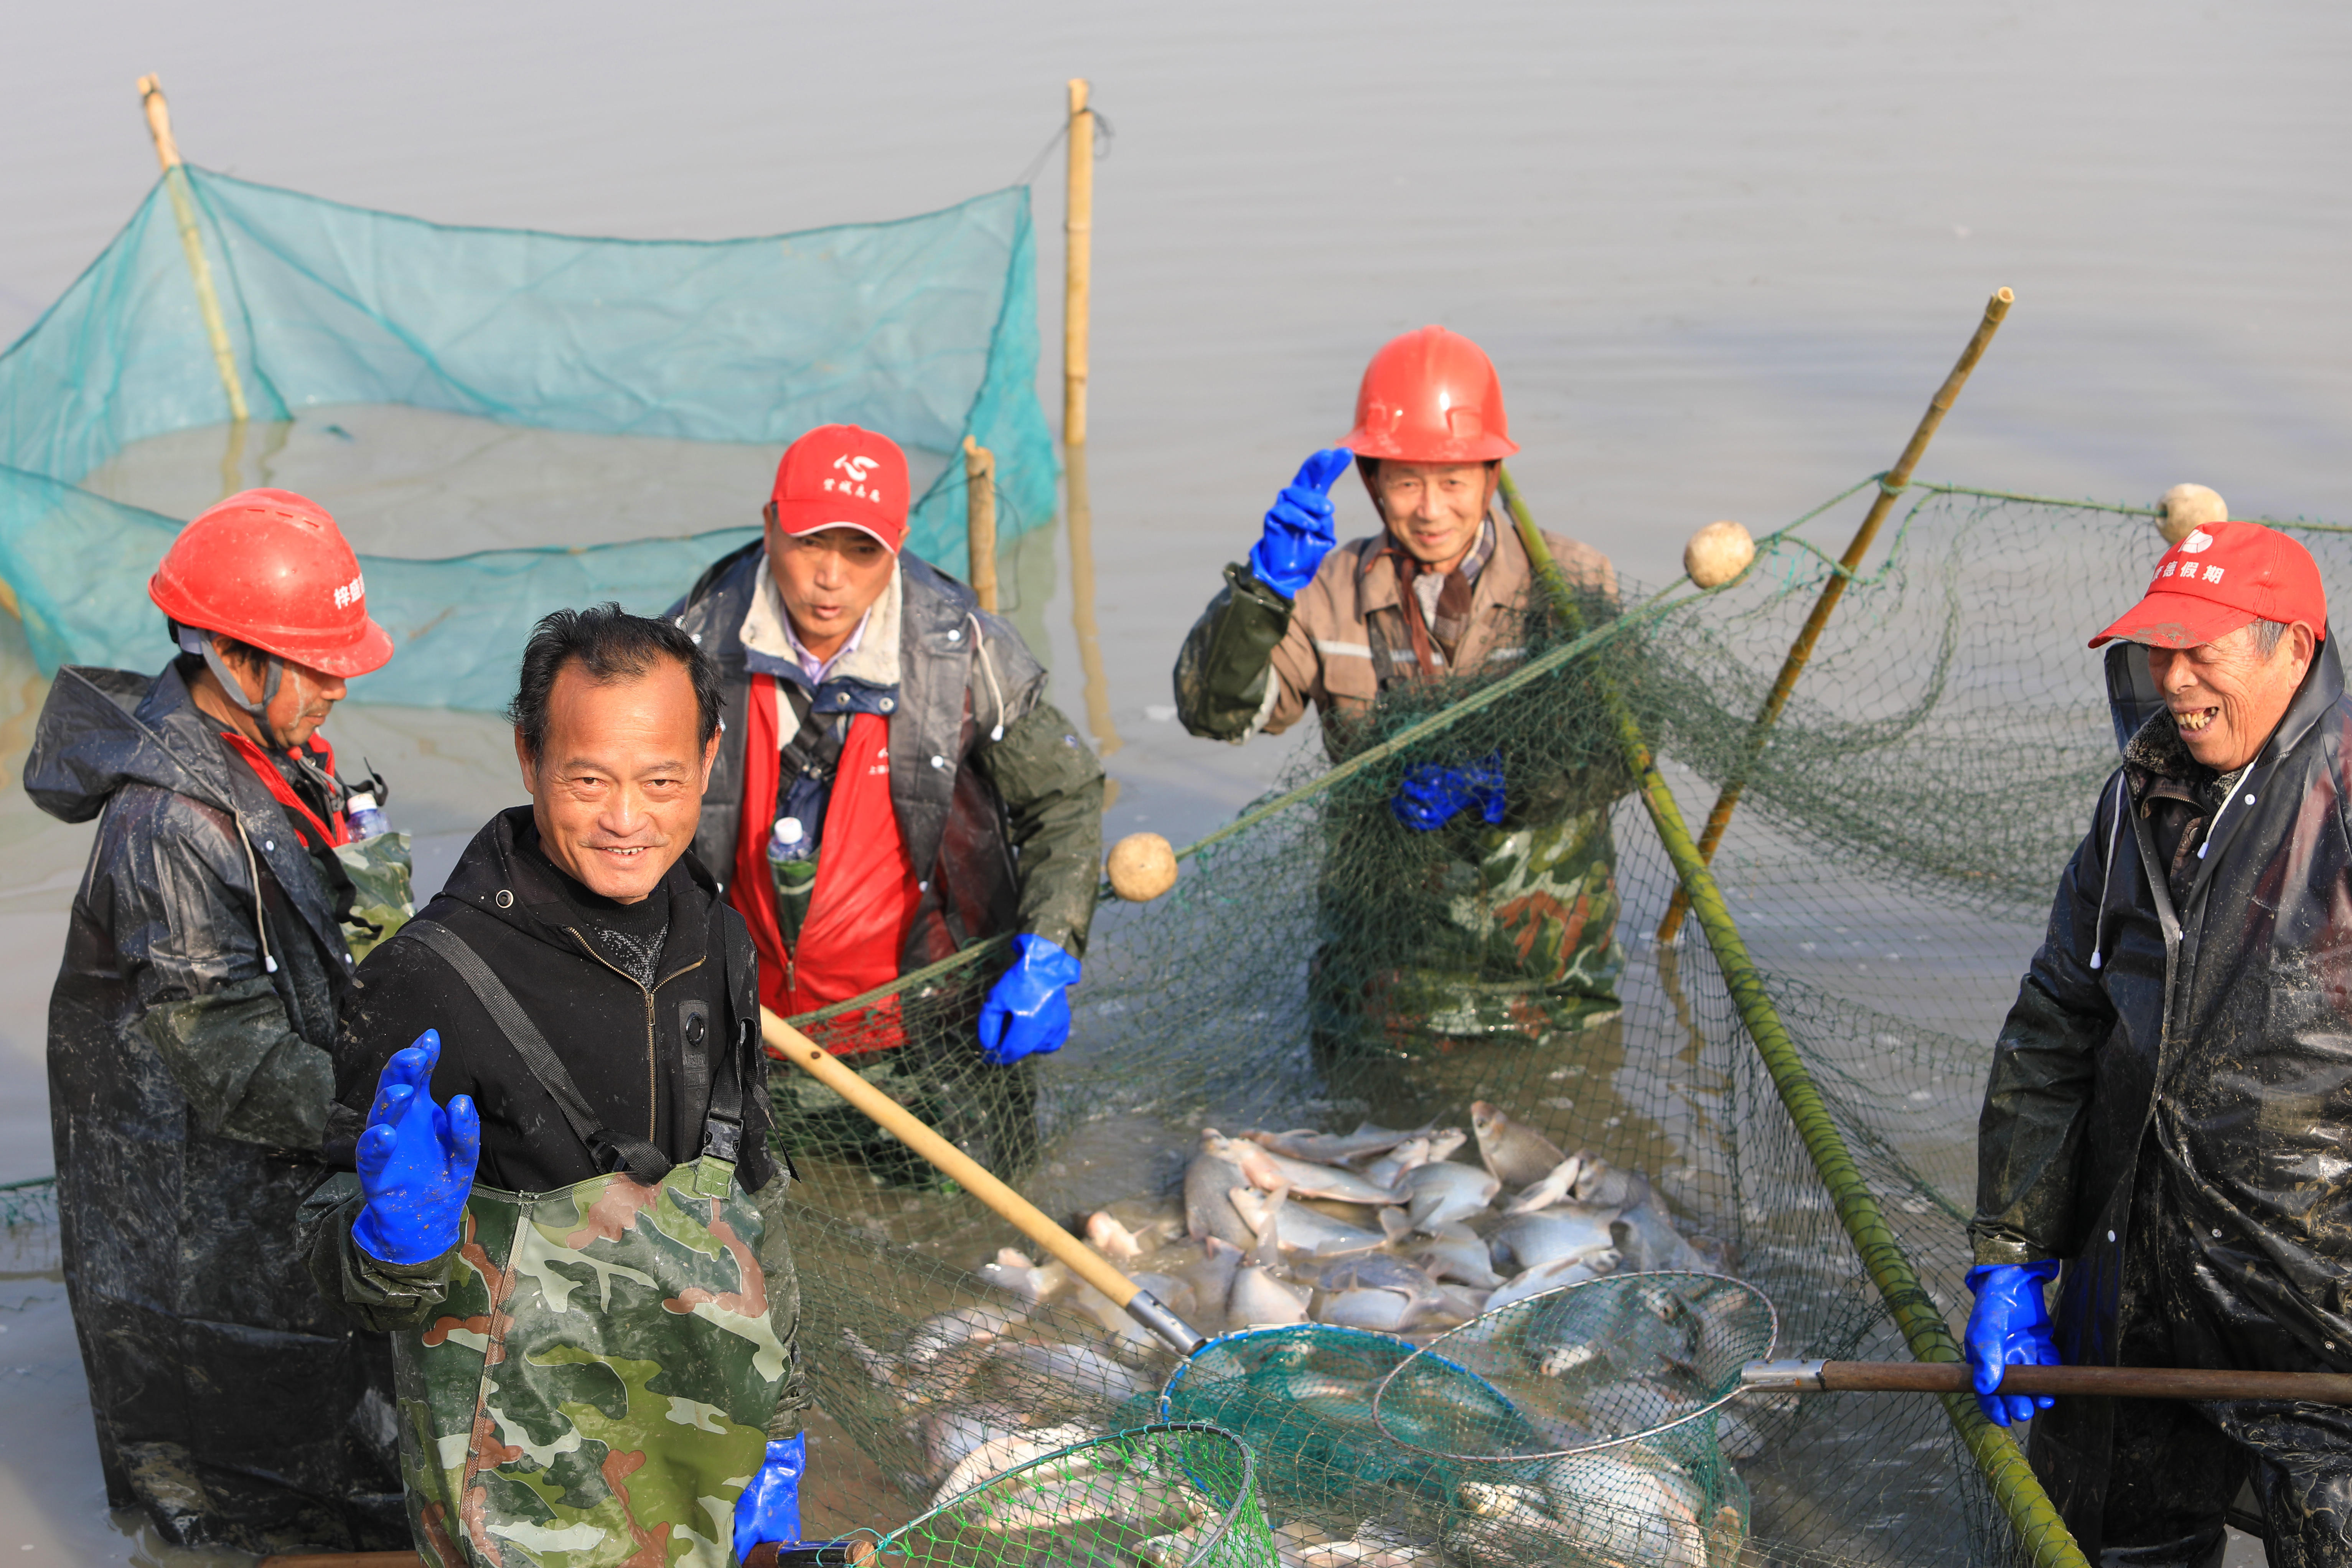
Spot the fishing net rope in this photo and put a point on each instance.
(1889, 872)
(708, 356)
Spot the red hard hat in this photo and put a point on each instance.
(270, 568)
(1431, 396)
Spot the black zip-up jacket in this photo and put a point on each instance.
(189, 1081)
(625, 1045)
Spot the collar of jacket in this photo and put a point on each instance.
(522, 891)
(864, 681)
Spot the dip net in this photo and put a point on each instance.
(1889, 870)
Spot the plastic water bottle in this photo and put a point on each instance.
(792, 861)
(366, 817)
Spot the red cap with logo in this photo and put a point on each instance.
(2224, 575)
(838, 476)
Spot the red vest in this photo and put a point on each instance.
(863, 907)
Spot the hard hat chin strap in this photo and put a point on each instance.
(193, 641)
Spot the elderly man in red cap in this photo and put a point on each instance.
(1445, 592)
(893, 787)
(2165, 1129)
(210, 951)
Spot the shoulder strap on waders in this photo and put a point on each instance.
(611, 1151)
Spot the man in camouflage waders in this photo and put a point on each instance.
(564, 1207)
(1528, 947)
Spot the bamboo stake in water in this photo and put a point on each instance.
(1924, 1329)
(184, 209)
(979, 519)
(1097, 685)
(1077, 288)
(1897, 477)
(911, 1130)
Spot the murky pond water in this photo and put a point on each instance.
(1721, 255)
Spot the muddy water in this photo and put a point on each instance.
(1721, 255)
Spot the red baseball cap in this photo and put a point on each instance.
(2224, 575)
(838, 476)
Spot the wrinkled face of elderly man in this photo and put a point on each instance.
(2226, 696)
(2232, 620)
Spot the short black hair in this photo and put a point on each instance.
(611, 644)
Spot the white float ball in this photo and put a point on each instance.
(2184, 507)
(1718, 553)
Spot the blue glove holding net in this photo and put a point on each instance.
(2009, 1326)
(1028, 1010)
(1298, 531)
(769, 1508)
(1433, 795)
(415, 1161)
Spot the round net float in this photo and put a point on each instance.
(1142, 867)
(1718, 553)
(2186, 506)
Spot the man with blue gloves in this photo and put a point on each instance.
(562, 1201)
(1445, 593)
(894, 787)
(2164, 1125)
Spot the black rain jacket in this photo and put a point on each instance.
(188, 1087)
(2199, 1076)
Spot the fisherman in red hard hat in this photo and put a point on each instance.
(210, 947)
(893, 787)
(1445, 593)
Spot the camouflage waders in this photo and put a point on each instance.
(597, 1384)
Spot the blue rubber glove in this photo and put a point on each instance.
(415, 1161)
(769, 1508)
(1299, 531)
(1434, 793)
(1028, 1012)
(2009, 1326)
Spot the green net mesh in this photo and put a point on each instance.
(1167, 1496)
(1495, 995)
(692, 364)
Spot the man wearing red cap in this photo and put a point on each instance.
(210, 948)
(893, 789)
(2164, 1129)
(1446, 592)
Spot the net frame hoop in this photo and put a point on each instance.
(1309, 1333)
(1243, 1492)
(1771, 1316)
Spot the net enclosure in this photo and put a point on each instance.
(1271, 1114)
(708, 357)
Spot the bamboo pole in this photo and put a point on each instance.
(1915, 1312)
(979, 519)
(1760, 729)
(1096, 684)
(908, 1128)
(1077, 286)
(184, 209)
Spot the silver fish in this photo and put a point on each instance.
(1074, 1366)
(1445, 1192)
(1604, 1185)
(1555, 1274)
(1267, 1170)
(1383, 1312)
(936, 1336)
(1330, 1149)
(1211, 1275)
(1012, 1273)
(1207, 1210)
(1378, 1271)
(1258, 1298)
(1397, 1162)
(1457, 1257)
(1554, 1186)
(1650, 1244)
(1515, 1153)
(1110, 1239)
(1629, 1504)
(1526, 1241)
(949, 1434)
(1004, 1453)
(1302, 1229)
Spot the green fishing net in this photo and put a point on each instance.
(697, 361)
(1320, 966)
